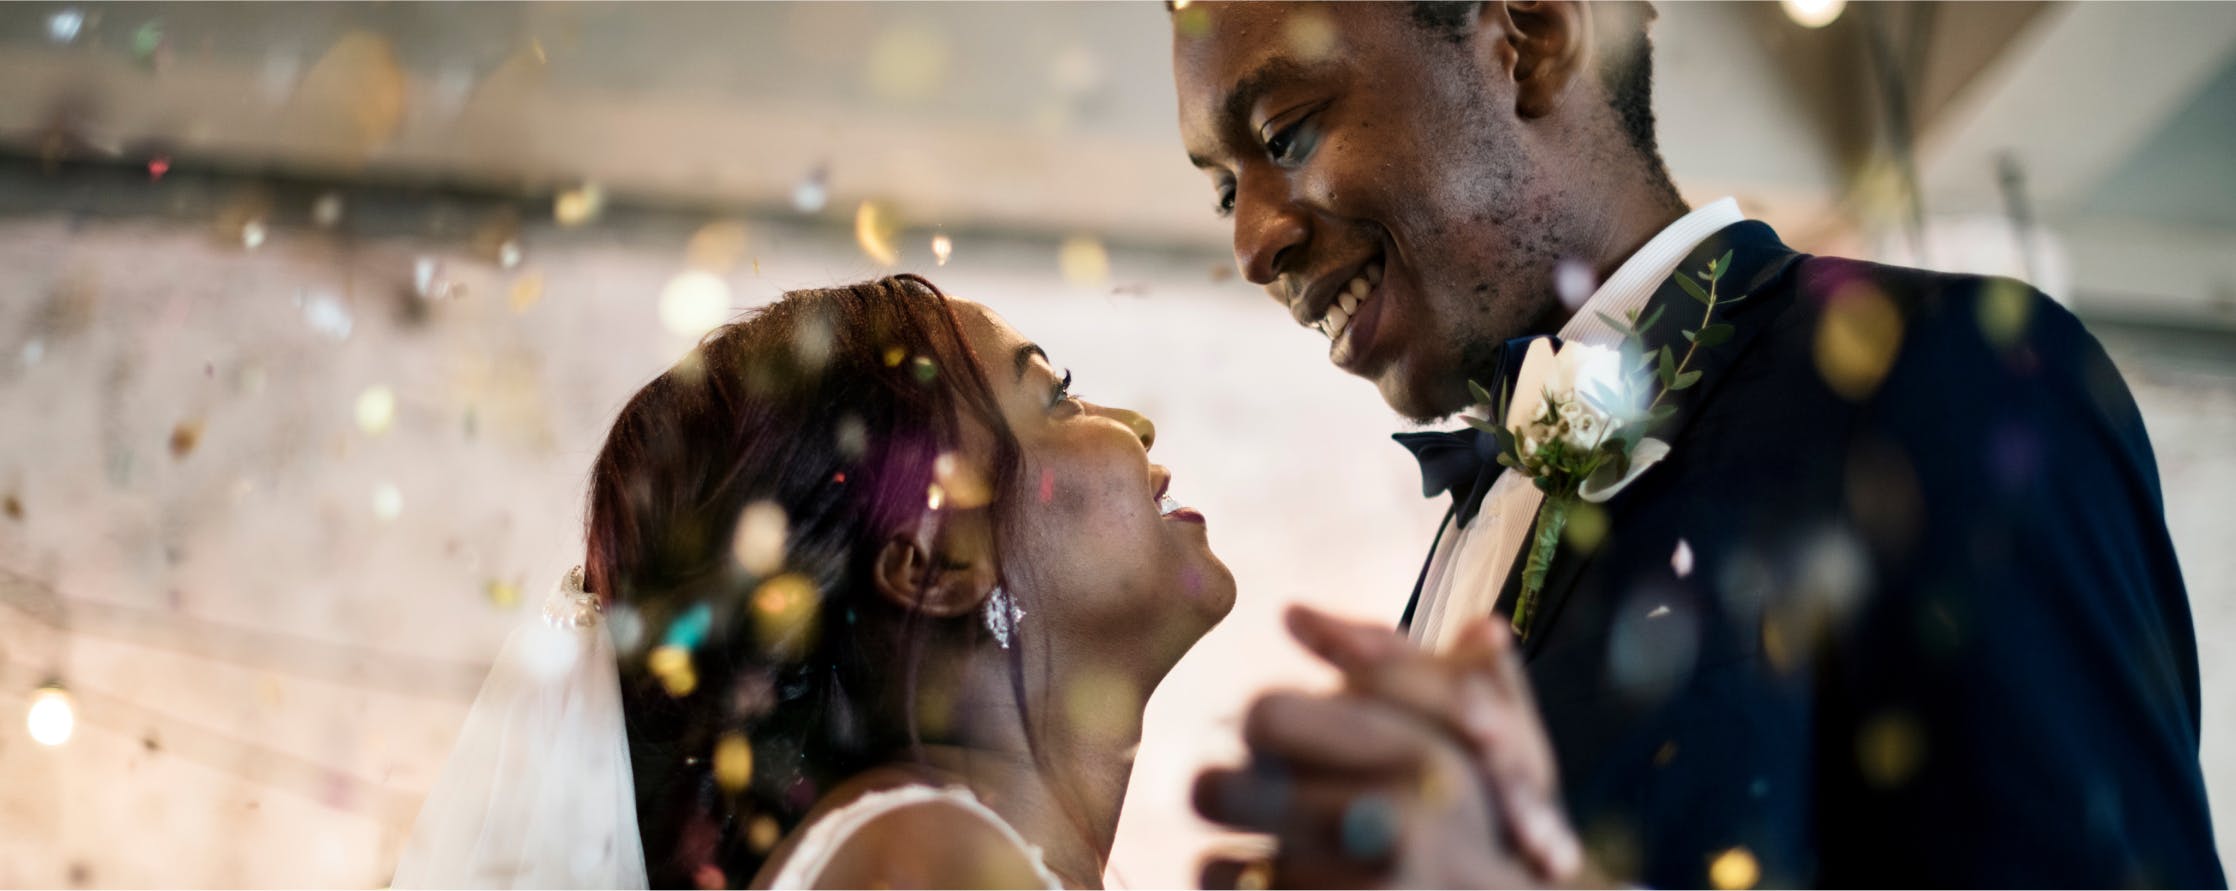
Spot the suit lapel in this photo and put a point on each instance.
(1758, 262)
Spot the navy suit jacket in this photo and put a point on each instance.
(1933, 632)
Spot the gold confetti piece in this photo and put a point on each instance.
(388, 501)
(1191, 22)
(579, 205)
(672, 665)
(1857, 339)
(784, 614)
(13, 507)
(526, 292)
(733, 762)
(358, 88)
(2004, 308)
(874, 229)
(184, 437)
(1257, 876)
(759, 542)
(1889, 748)
(1098, 702)
(694, 303)
(716, 247)
(1587, 527)
(964, 485)
(1311, 35)
(1666, 754)
(894, 355)
(763, 834)
(376, 410)
(935, 496)
(907, 63)
(942, 248)
(502, 594)
(1734, 869)
(1084, 261)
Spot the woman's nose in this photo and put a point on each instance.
(1135, 420)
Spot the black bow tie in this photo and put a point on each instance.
(1465, 462)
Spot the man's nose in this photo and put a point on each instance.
(1268, 229)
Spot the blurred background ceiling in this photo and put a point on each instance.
(2103, 130)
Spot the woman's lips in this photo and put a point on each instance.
(1170, 508)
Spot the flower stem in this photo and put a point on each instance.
(1682, 364)
(1552, 518)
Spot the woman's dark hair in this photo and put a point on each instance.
(834, 406)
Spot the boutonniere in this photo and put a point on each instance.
(1579, 415)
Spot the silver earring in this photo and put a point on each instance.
(1002, 615)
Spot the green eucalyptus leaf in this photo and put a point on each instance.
(1482, 396)
(1714, 334)
(1693, 288)
(1723, 264)
(1685, 381)
(1653, 317)
(1617, 324)
(1660, 413)
(1668, 370)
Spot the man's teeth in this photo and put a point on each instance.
(1347, 302)
(1166, 504)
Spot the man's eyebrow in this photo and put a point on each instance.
(1025, 356)
(1234, 110)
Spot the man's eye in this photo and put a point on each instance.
(1289, 145)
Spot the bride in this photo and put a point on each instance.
(871, 599)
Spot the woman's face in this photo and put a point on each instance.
(1106, 579)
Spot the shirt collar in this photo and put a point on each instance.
(1640, 276)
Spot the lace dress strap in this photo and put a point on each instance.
(830, 832)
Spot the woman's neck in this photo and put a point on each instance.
(1066, 804)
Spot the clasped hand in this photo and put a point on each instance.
(1424, 770)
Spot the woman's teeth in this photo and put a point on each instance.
(1166, 504)
(1354, 295)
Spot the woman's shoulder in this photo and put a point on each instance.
(907, 834)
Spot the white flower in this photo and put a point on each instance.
(1589, 398)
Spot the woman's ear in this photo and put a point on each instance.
(942, 567)
(1550, 42)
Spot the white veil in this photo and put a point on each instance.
(538, 792)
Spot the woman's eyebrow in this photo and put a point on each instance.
(1025, 356)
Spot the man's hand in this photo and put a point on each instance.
(1425, 770)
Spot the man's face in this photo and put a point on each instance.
(1381, 186)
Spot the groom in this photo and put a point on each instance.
(1898, 608)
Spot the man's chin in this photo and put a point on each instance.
(1422, 402)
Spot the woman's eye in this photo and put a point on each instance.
(1063, 392)
(1224, 207)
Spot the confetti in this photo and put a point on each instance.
(327, 210)
(63, 27)
(376, 410)
(1889, 748)
(579, 205)
(759, 542)
(2004, 308)
(526, 292)
(812, 342)
(672, 665)
(935, 496)
(1098, 704)
(429, 282)
(1083, 261)
(13, 507)
(1734, 869)
(853, 436)
(184, 437)
(325, 314)
(965, 486)
(907, 63)
(1572, 280)
(33, 350)
(1857, 338)
(812, 191)
(733, 763)
(1191, 22)
(358, 89)
(874, 228)
(502, 594)
(942, 248)
(922, 369)
(784, 614)
(388, 501)
(147, 41)
(157, 166)
(53, 717)
(508, 254)
(717, 247)
(694, 303)
(252, 234)
(763, 834)
(1681, 560)
(1311, 36)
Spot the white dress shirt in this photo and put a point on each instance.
(1470, 565)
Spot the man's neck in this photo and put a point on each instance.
(1626, 227)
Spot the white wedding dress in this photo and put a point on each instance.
(538, 792)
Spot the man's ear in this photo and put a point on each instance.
(942, 567)
(1551, 44)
